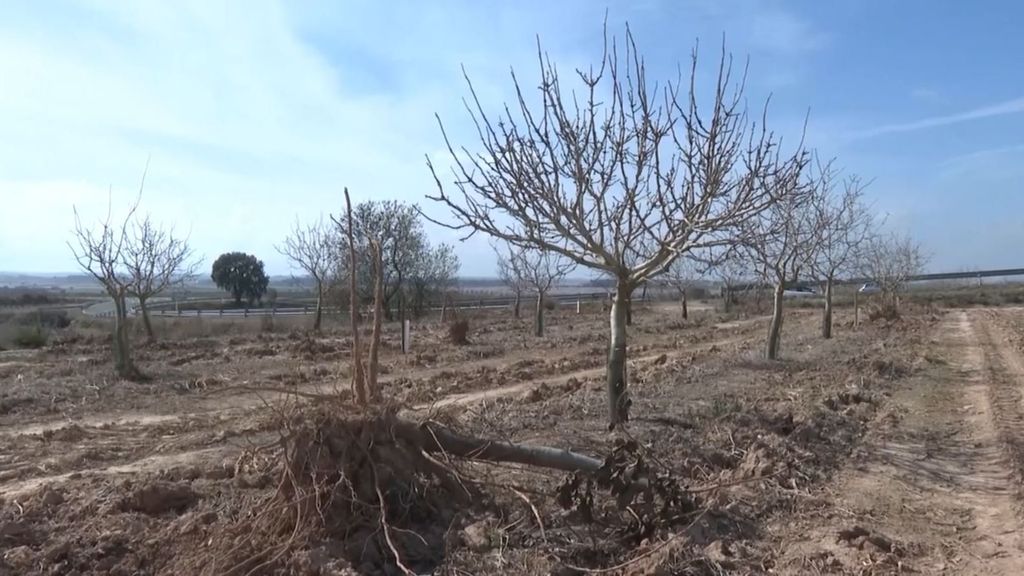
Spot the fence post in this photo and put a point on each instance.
(856, 309)
(577, 305)
(245, 312)
(406, 336)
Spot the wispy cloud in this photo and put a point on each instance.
(1015, 106)
(993, 162)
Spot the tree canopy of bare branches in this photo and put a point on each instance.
(155, 260)
(891, 261)
(731, 268)
(682, 275)
(511, 273)
(845, 226)
(533, 269)
(780, 241)
(617, 174)
(313, 249)
(100, 252)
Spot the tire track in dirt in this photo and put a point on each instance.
(991, 487)
(939, 485)
(1006, 384)
(22, 486)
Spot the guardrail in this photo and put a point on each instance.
(560, 299)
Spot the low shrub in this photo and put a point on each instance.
(458, 332)
(31, 337)
(266, 324)
(52, 319)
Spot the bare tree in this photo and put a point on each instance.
(781, 241)
(541, 270)
(314, 249)
(891, 262)
(621, 176)
(681, 275)
(100, 253)
(511, 273)
(155, 260)
(731, 268)
(845, 226)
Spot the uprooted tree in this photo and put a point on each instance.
(845, 227)
(616, 174)
(378, 479)
(155, 260)
(891, 261)
(314, 249)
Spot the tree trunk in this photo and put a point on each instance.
(775, 328)
(515, 306)
(856, 308)
(826, 318)
(629, 311)
(318, 315)
(618, 397)
(123, 365)
(437, 439)
(686, 314)
(538, 320)
(726, 299)
(145, 320)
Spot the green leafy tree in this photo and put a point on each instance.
(242, 275)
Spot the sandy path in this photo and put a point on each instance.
(939, 483)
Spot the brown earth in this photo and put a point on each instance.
(893, 447)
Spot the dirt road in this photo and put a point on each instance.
(936, 488)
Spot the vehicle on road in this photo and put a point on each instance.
(869, 288)
(799, 292)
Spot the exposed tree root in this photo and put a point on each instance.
(382, 489)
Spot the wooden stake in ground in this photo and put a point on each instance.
(358, 382)
(378, 311)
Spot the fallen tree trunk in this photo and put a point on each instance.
(436, 439)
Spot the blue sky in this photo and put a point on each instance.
(258, 113)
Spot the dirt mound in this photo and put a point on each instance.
(160, 497)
